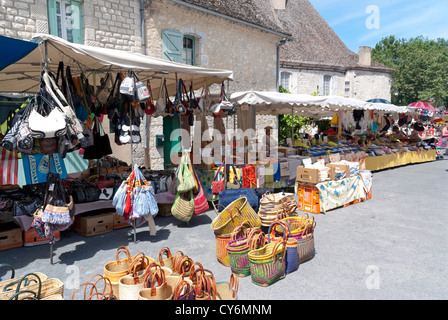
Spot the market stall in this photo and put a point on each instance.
(82, 85)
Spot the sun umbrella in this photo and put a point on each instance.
(379, 101)
(423, 105)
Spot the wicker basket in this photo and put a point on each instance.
(228, 290)
(276, 206)
(11, 284)
(268, 264)
(238, 250)
(299, 225)
(43, 289)
(305, 246)
(168, 262)
(184, 290)
(233, 215)
(221, 241)
(114, 270)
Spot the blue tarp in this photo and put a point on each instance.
(12, 50)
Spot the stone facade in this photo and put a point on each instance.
(220, 43)
(251, 56)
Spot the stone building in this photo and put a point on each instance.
(245, 36)
(318, 62)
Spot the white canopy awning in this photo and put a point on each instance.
(24, 75)
(307, 105)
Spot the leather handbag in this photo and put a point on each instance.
(26, 207)
(101, 144)
(218, 186)
(46, 120)
(227, 196)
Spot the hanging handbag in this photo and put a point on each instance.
(218, 186)
(25, 141)
(185, 177)
(200, 201)
(249, 177)
(58, 204)
(46, 120)
(183, 208)
(141, 90)
(101, 144)
(150, 107)
(235, 184)
(127, 87)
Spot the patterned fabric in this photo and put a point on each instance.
(334, 194)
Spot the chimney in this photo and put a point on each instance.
(365, 56)
(278, 4)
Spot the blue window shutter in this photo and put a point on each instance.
(172, 45)
(77, 22)
(52, 19)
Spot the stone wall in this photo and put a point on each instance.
(368, 85)
(220, 43)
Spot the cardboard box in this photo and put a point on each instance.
(31, 238)
(119, 222)
(336, 168)
(307, 175)
(93, 223)
(10, 236)
(165, 209)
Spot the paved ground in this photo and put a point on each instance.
(394, 246)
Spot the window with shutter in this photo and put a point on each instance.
(172, 45)
(188, 50)
(65, 20)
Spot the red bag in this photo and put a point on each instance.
(218, 186)
(200, 201)
(249, 177)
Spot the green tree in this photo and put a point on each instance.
(421, 67)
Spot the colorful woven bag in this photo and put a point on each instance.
(268, 264)
(238, 250)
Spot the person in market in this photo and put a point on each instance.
(442, 143)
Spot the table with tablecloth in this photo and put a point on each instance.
(399, 159)
(337, 193)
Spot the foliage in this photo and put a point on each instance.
(421, 67)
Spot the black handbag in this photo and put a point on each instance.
(101, 143)
(26, 207)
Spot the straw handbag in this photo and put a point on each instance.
(184, 290)
(228, 290)
(233, 215)
(183, 209)
(297, 225)
(238, 250)
(38, 290)
(11, 284)
(156, 286)
(268, 264)
(305, 245)
(185, 178)
(204, 284)
(291, 257)
(276, 206)
(95, 293)
(168, 262)
(221, 241)
(130, 285)
(114, 270)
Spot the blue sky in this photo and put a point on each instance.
(365, 23)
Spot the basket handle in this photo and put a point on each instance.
(241, 231)
(194, 271)
(13, 271)
(164, 251)
(178, 291)
(281, 224)
(255, 239)
(274, 250)
(267, 194)
(106, 282)
(234, 284)
(125, 250)
(214, 207)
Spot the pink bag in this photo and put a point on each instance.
(200, 201)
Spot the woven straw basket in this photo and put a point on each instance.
(233, 215)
